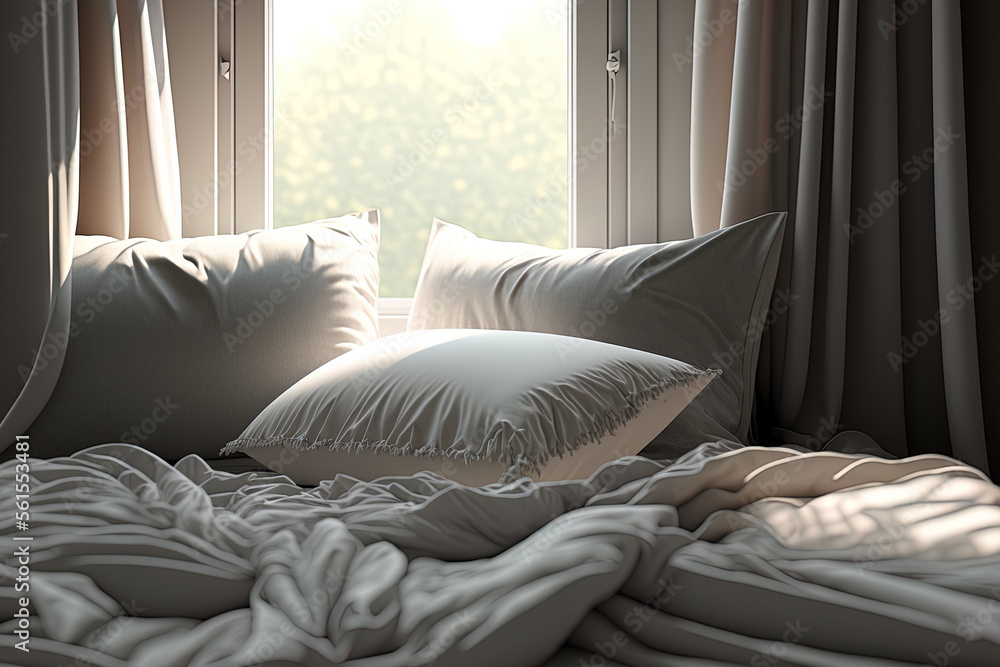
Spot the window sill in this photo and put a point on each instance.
(392, 315)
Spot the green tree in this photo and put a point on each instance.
(406, 115)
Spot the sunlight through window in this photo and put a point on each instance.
(422, 108)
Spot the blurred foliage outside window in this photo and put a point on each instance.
(422, 108)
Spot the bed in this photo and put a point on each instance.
(759, 556)
(694, 547)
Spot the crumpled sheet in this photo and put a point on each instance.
(750, 556)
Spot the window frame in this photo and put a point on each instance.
(246, 114)
(600, 153)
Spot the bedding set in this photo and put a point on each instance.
(551, 466)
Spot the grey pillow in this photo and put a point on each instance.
(470, 405)
(701, 300)
(175, 346)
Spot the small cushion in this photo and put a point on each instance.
(470, 405)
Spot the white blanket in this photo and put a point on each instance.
(756, 556)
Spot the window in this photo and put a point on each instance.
(348, 126)
(423, 108)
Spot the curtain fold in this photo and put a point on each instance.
(960, 349)
(153, 172)
(850, 116)
(129, 167)
(89, 127)
(837, 242)
(710, 127)
(103, 142)
(982, 97)
(41, 184)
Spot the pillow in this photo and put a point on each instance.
(470, 405)
(175, 346)
(702, 300)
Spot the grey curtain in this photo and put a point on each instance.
(90, 149)
(851, 115)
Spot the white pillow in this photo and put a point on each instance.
(174, 346)
(471, 405)
(703, 300)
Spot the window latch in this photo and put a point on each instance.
(613, 65)
(614, 62)
(224, 67)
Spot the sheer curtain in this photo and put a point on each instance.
(851, 116)
(89, 133)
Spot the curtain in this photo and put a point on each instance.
(128, 147)
(851, 116)
(89, 149)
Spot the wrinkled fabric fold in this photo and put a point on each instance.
(843, 557)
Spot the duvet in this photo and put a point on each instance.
(749, 556)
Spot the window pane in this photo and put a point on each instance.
(422, 108)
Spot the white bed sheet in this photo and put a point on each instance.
(754, 556)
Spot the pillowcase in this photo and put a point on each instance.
(702, 300)
(174, 346)
(470, 405)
